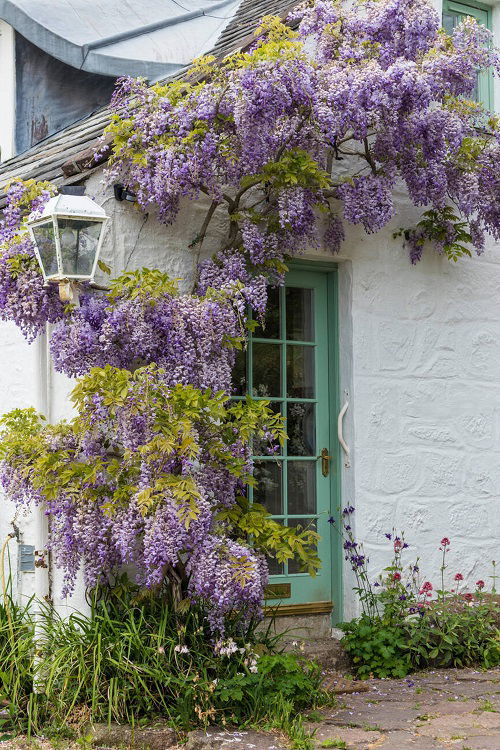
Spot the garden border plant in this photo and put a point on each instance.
(406, 624)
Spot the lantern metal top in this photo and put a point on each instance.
(69, 206)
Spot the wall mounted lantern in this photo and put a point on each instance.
(67, 237)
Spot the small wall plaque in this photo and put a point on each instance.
(26, 558)
(278, 591)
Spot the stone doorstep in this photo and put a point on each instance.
(124, 736)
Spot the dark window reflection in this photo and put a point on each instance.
(301, 487)
(271, 326)
(294, 566)
(266, 369)
(240, 373)
(301, 429)
(267, 492)
(300, 371)
(299, 314)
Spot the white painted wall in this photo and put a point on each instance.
(420, 356)
(7, 91)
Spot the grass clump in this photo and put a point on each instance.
(137, 659)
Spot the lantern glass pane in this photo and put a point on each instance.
(78, 239)
(46, 244)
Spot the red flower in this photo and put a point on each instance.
(445, 541)
(480, 584)
(397, 544)
(396, 577)
(468, 597)
(459, 577)
(426, 587)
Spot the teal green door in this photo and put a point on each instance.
(289, 362)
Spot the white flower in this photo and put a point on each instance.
(181, 649)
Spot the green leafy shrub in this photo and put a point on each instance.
(455, 634)
(376, 648)
(407, 624)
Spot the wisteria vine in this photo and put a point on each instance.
(153, 475)
(308, 131)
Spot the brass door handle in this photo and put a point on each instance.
(325, 462)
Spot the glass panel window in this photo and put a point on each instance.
(299, 314)
(301, 429)
(267, 491)
(299, 371)
(270, 328)
(266, 370)
(240, 373)
(294, 566)
(453, 14)
(301, 487)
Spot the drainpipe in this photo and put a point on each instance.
(43, 577)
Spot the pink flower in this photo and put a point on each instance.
(396, 577)
(459, 577)
(445, 541)
(397, 545)
(426, 588)
(480, 584)
(468, 597)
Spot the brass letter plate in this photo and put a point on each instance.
(278, 591)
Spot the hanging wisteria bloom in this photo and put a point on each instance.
(293, 129)
(153, 476)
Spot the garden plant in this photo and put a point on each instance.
(408, 623)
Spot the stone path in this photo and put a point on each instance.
(440, 710)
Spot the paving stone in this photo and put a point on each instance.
(407, 740)
(150, 738)
(450, 708)
(482, 742)
(355, 738)
(215, 738)
(468, 724)
(381, 716)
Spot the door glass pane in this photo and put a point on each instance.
(271, 327)
(266, 369)
(301, 486)
(301, 429)
(449, 21)
(275, 568)
(305, 523)
(299, 314)
(261, 447)
(300, 371)
(268, 488)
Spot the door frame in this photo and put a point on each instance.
(333, 354)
